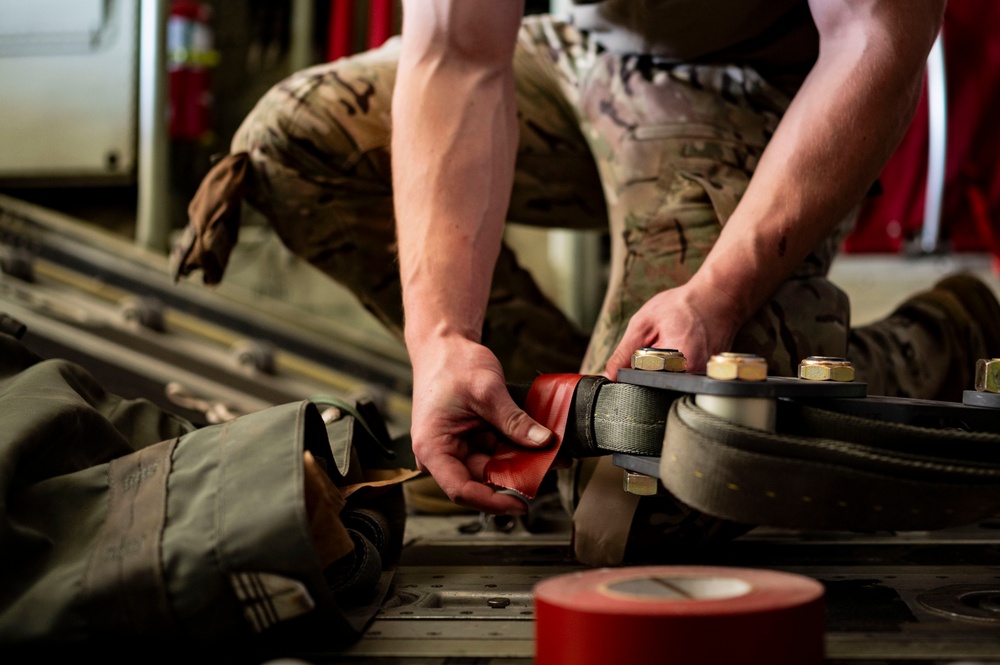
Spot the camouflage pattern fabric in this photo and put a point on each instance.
(672, 149)
(320, 172)
(676, 146)
(659, 154)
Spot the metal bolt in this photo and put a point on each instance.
(639, 484)
(18, 262)
(988, 375)
(659, 360)
(742, 366)
(11, 326)
(255, 354)
(826, 368)
(147, 312)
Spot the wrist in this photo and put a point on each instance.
(424, 338)
(721, 300)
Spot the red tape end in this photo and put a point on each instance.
(523, 469)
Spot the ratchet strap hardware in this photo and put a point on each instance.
(820, 469)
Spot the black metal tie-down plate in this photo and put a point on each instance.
(772, 386)
(976, 414)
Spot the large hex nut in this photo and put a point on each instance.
(988, 375)
(659, 360)
(826, 368)
(737, 366)
(639, 484)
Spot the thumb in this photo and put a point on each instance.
(622, 357)
(516, 425)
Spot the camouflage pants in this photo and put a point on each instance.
(657, 154)
(660, 156)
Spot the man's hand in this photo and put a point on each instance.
(840, 129)
(460, 408)
(697, 323)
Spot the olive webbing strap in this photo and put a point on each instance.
(631, 420)
(832, 471)
(617, 417)
(821, 470)
(889, 436)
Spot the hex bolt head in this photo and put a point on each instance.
(639, 484)
(988, 375)
(826, 368)
(659, 360)
(731, 366)
(144, 311)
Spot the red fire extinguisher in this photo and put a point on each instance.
(190, 56)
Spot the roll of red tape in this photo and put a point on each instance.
(689, 615)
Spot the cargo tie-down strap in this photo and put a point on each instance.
(820, 469)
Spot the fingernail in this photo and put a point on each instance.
(539, 434)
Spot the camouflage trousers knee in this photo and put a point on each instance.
(657, 154)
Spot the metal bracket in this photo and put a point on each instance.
(773, 386)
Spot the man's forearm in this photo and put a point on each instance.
(454, 143)
(831, 144)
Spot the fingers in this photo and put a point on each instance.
(622, 356)
(459, 479)
(455, 479)
(616, 362)
(500, 411)
(456, 456)
(461, 408)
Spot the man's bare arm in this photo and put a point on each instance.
(454, 145)
(454, 141)
(839, 131)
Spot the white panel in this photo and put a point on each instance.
(68, 108)
(25, 17)
(560, 8)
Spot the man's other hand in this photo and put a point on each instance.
(695, 323)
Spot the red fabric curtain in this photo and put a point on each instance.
(971, 207)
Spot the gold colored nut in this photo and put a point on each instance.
(659, 360)
(988, 375)
(640, 484)
(730, 366)
(826, 368)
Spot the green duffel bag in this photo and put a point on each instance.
(123, 522)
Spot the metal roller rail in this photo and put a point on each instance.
(63, 250)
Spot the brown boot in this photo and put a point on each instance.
(928, 347)
(981, 303)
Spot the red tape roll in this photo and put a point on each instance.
(686, 615)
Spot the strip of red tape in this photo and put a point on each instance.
(523, 469)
